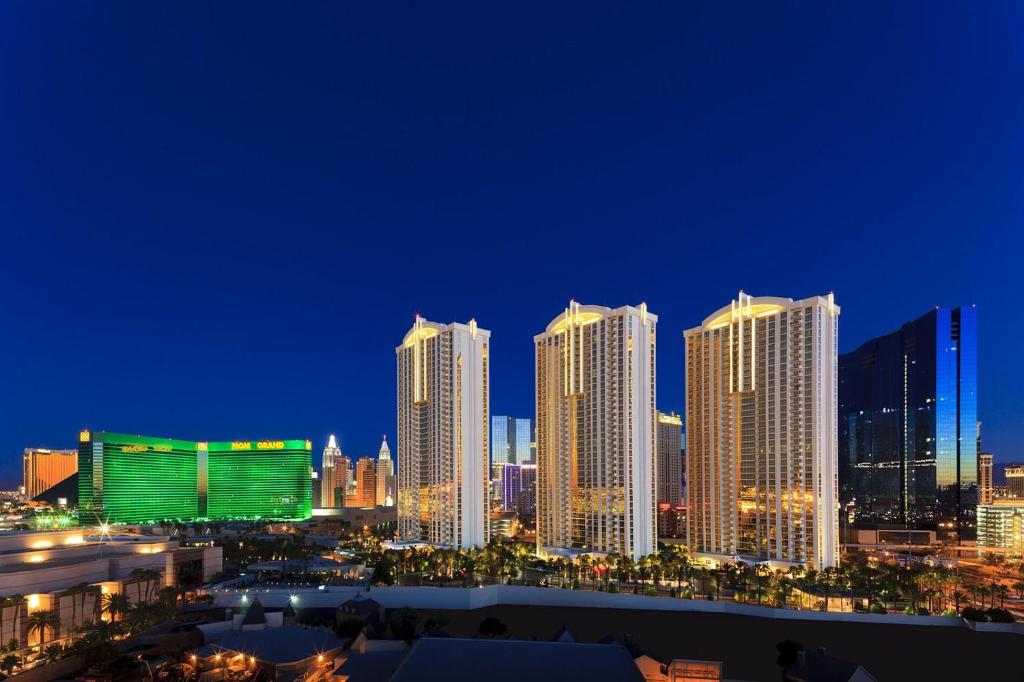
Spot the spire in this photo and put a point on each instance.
(385, 451)
(331, 442)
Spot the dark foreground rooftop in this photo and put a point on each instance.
(746, 645)
(509, 660)
(288, 644)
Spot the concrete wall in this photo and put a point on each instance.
(14, 623)
(43, 579)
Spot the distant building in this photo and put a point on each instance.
(512, 485)
(761, 432)
(366, 482)
(908, 423)
(595, 392)
(443, 418)
(332, 453)
(44, 469)
(1001, 527)
(511, 440)
(1014, 481)
(670, 459)
(503, 524)
(671, 520)
(385, 476)
(139, 479)
(985, 493)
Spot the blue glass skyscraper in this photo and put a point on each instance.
(510, 440)
(908, 412)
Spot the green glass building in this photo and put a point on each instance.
(138, 479)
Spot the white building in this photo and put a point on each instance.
(332, 453)
(596, 431)
(443, 409)
(761, 436)
(385, 476)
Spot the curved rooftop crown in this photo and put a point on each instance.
(578, 316)
(747, 308)
(421, 330)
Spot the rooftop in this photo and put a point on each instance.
(507, 660)
(287, 644)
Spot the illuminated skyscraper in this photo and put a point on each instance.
(443, 419)
(138, 479)
(331, 455)
(44, 469)
(366, 481)
(761, 432)
(385, 476)
(510, 440)
(908, 420)
(1014, 481)
(596, 431)
(985, 478)
(670, 459)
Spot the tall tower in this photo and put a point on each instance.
(670, 459)
(761, 436)
(332, 453)
(596, 431)
(385, 475)
(443, 408)
(366, 481)
(909, 430)
(985, 492)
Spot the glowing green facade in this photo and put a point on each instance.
(137, 479)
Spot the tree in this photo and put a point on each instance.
(116, 605)
(788, 650)
(53, 652)
(384, 571)
(492, 627)
(43, 620)
(403, 623)
(9, 663)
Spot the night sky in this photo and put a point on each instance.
(219, 219)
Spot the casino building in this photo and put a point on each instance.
(139, 479)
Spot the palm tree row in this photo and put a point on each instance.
(855, 583)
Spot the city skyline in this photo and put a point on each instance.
(188, 252)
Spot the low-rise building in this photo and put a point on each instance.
(1001, 527)
(68, 571)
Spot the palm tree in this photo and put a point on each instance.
(149, 577)
(43, 620)
(116, 605)
(1002, 591)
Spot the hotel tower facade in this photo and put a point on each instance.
(761, 432)
(596, 431)
(328, 473)
(443, 416)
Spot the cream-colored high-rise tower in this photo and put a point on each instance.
(332, 453)
(596, 431)
(385, 475)
(443, 415)
(761, 432)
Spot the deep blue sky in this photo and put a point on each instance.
(219, 219)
